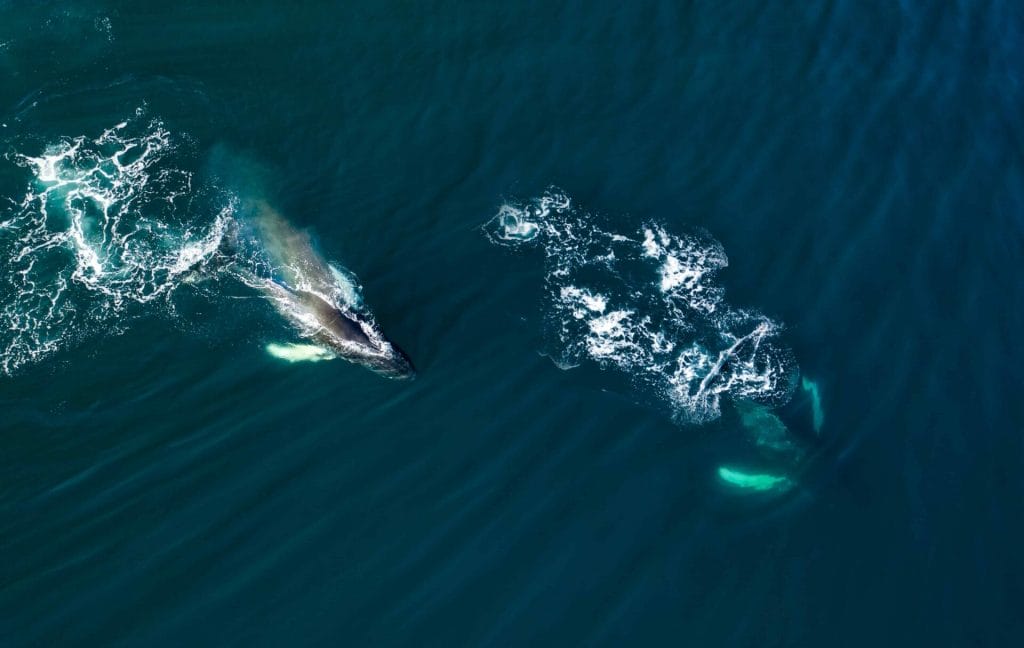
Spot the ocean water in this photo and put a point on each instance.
(713, 307)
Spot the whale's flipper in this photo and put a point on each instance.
(753, 481)
(291, 352)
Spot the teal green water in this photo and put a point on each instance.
(713, 308)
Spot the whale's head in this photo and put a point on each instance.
(370, 349)
(395, 364)
(356, 337)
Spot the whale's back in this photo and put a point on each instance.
(334, 320)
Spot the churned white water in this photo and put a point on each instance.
(646, 302)
(103, 225)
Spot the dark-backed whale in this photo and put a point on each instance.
(348, 334)
(322, 301)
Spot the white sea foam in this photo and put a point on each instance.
(96, 231)
(646, 303)
(587, 301)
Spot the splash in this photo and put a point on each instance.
(646, 303)
(299, 352)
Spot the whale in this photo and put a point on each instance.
(348, 334)
(322, 301)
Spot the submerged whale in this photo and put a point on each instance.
(322, 301)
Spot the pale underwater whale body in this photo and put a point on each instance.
(322, 301)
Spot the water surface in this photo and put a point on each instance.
(167, 480)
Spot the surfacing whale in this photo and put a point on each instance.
(322, 301)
